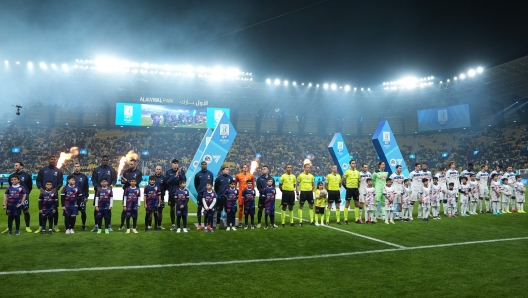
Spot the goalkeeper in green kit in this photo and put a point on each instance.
(379, 180)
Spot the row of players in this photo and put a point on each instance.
(305, 181)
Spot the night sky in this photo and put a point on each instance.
(354, 42)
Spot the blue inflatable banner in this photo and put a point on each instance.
(387, 149)
(215, 150)
(195, 162)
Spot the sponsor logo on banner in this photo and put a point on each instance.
(208, 158)
(442, 116)
(340, 146)
(386, 137)
(216, 158)
(344, 166)
(129, 112)
(224, 130)
(195, 163)
(218, 115)
(207, 139)
(393, 162)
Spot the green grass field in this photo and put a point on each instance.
(147, 121)
(475, 256)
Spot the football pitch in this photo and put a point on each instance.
(479, 256)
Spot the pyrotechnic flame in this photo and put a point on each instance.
(131, 155)
(254, 166)
(74, 151)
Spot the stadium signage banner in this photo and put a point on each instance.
(215, 150)
(387, 149)
(194, 166)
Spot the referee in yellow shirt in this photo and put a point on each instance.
(306, 182)
(333, 186)
(351, 184)
(287, 187)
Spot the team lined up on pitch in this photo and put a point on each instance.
(380, 196)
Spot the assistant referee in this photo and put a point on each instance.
(333, 184)
(287, 187)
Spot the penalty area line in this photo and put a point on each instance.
(345, 254)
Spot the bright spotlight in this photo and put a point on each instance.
(355, 89)
(310, 85)
(448, 80)
(268, 81)
(325, 86)
(361, 88)
(277, 82)
(455, 78)
(334, 86)
(64, 67)
(441, 82)
(53, 66)
(368, 89)
(6, 62)
(302, 84)
(471, 72)
(480, 69)
(285, 83)
(30, 64)
(17, 62)
(347, 88)
(317, 86)
(462, 76)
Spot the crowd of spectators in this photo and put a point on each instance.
(488, 146)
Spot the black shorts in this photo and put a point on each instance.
(262, 202)
(199, 200)
(306, 196)
(288, 198)
(352, 193)
(334, 196)
(319, 210)
(172, 200)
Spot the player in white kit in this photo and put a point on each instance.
(416, 187)
(473, 194)
(389, 195)
(519, 194)
(425, 199)
(483, 181)
(436, 190)
(511, 182)
(495, 194)
(442, 181)
(397, 184)
(452, 177)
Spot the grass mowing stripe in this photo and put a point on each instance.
(255, 260)
(355, 234)
(366, 237)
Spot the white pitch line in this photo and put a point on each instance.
(366, 237)
(355, 234)
(345, 254)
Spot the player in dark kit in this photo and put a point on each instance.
(69, 195)
(208, 202)
(220, 186)
(131, 205)
(155, 119)
(182, 201)
(160, 181)
(200, 181)
(262, 183)
(231, 195)
(103, 171)
(48, 205)
(152, 193)
(53, 174)
(269, 204)
(13, 200)
(249, 195)
(131, 172)
(81, 182)
(27, 183)
(104, 201)
(173, 177)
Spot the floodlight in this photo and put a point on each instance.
(285, 83)
(334, 87)
(347, 88)
(277, 82)
(471, 72)
(325, 86)
(462, 76)
(30, 64)
(480, 69)
(268, 81)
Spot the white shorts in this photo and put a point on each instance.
(484, 192)
(512, 189)
(463, 199)
(397, 198)
(520, 198)
(415, 196)
(406, 206)
(370, 208)
(474, 197)
(505, 199)
(494, 198)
